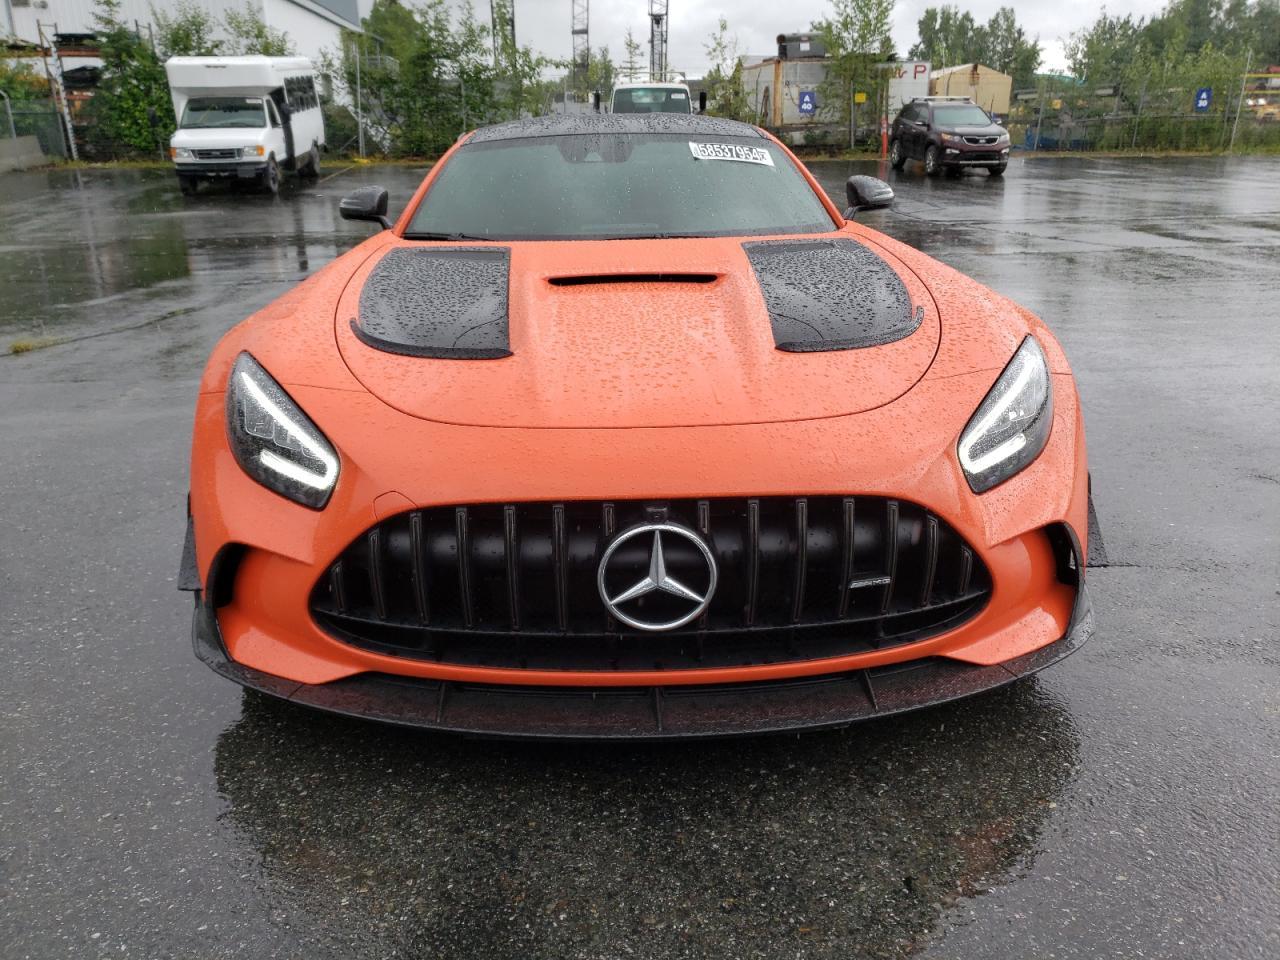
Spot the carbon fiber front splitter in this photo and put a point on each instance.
(644, 713)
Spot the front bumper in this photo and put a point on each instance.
(224, 170)
(647, 713)
(967, 155)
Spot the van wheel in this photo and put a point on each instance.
(932, 161)
(271, 177)
(188, 185)
(897, 159)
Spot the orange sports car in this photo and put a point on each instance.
(624, 430)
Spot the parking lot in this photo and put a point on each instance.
(1122, 804)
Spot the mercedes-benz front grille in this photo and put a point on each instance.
(516, 586)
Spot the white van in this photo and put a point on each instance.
(244, 118)
(651, 97)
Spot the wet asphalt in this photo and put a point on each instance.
(1122, 804)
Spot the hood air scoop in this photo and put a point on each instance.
(830, 295)
(438, 302)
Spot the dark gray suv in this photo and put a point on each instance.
(948, 133)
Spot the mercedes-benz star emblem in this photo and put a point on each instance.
(658, 579)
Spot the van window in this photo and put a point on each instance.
(207, 112)
(271, 112)
(301, 93)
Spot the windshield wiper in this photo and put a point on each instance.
(447, 236)
(664, 236)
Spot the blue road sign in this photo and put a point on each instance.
(808, 102)
(1204, 97)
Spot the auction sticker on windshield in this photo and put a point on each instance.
(730, 151)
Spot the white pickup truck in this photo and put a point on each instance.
(651, 97)
(244, 118)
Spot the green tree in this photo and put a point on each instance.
(726, 96)
(1009, 50)
(601, 72)
(130, 111)
(188, 31)
(633, 59)
(19, 80)
(250, 34)
(857, 37)
(1102, 51)
(950, 37)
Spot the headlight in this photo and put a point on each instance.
(951, 138)
(1011, 425)
(252, 151)
(1004, 138)
(179, 153)
(274, 441)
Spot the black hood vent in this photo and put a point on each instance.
(438, 302)
(832, 294)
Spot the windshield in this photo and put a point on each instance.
(201, 112)
(618, 186)
(651, 100)
(961, 115)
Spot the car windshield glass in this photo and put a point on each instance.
(616, 186)
(651, 100)
(960, 115)
(223, 112)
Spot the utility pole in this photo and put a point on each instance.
(658, 40)
(1248, 62)
(581, 44)
(359, 109)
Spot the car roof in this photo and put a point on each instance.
(632, 124)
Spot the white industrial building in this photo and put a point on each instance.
(312, 25)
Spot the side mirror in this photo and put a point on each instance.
(286, 112)
(867, 193)
(702, 101)
(366, 203)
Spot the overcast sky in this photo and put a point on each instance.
(544, 24)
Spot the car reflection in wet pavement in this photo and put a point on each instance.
(1122, 804)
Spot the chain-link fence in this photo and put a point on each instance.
(39, 119)
(1062, 114)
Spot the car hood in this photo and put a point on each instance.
(201, 137)
(668, 348)
(976, 130)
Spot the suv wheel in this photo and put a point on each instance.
(932, 161)
(998, 171)
(897, 159)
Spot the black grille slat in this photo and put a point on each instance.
(337, 587)
(514, 585)
(559, 564)
(891, 552)
(849, 541)
(418, 564)
(510, 552)
(376, 583)
(930, 560)
(753, 560)
(800, 560)
(463, 541)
